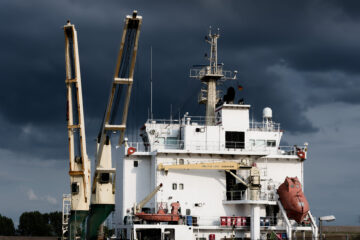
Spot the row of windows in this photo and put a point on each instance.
(175, 186)
(262, 143)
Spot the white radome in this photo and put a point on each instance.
(267, 112)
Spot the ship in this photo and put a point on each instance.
(211, 177)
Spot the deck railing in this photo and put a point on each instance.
(201, 121)
(234, 195)
(214, 146)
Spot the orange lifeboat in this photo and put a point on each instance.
(161, 216)
(293, 199)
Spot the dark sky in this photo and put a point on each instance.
(301, 58)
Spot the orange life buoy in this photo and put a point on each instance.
(301, 154)
(131, 150)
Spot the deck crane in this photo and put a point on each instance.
(79, 162)
(103, 185)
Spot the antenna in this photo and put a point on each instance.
(170, 113)
(210, 76)
(151, 90)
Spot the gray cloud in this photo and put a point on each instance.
(291, 56)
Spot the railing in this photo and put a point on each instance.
(139, 146)
(213, 146)
(188, 120)
(291, 150)
(201, 121)
(200, 72)
(195, 146)
(234, 195)
(264, 126)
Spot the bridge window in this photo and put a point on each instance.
(174, 186)
(271, 143)
(235, 140)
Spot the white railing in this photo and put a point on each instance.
(264, 126)
(244, 195)
(291, 150)
(213, 146)
(186, 120)
(200, 72)
(196, 146)
(201, 121)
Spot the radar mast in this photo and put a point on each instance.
(210, 75)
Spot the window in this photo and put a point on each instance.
(136, 163)
(174, 186)
(161, 140)
(171, 141)
(260, 143)
(181, 186)
(104, 177)
(75, 188)
(234, 140)
(181, 161)
(252, 142)
(271, 143)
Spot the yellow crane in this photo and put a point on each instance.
(95, 209)
(224, 165)
(79, 162)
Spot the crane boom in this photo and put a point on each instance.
(225, 165)
(147, 199)
(103, 184)
(79, 162)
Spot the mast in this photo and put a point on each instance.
(210, 75)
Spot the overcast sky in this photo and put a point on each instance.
(301, 58)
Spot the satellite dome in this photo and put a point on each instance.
(267, 112)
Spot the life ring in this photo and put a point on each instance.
(301, 154)
(131, 150)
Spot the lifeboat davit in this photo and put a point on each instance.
(293, 199)
(161, 216)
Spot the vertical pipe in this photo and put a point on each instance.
(255, 222)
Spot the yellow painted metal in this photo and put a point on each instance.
(224, 165)
(238, 178)
(147, 199)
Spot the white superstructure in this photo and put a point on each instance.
(223, 169)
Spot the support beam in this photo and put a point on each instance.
(255, 222)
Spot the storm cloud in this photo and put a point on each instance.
(299, 58)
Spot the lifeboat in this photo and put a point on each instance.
(161, 216)
(293, 199)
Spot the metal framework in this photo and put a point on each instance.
(203, 166)
(210, 76)
(103, 185)
(66, 206)
(123, 78)
(79, 162)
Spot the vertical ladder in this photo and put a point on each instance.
(66, 205)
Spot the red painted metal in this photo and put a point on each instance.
(293, 199)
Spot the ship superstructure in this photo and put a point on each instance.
(211, 177)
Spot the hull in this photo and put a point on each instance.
(293, 199)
